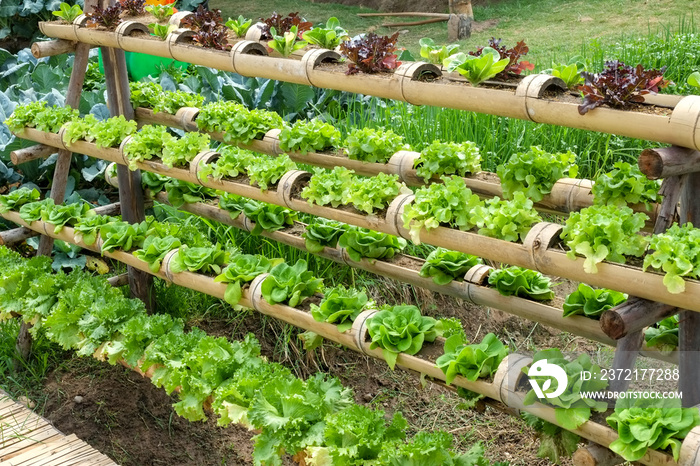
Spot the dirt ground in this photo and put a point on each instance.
(126, 417)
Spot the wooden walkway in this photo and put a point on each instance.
(27, 439)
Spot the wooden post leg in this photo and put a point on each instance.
(626, 354)
(689, 321)
(60, 179)
(130, 191)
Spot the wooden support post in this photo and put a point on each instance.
(458, 27)
(130, 191)
(16, 235)
(626, 354)
(671, 190)
(119, 280)
(633, 315)
(689, 321)
(668, 161)
(38, 151)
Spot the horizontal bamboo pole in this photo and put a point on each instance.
(52, 47)
(16, 235)
(119, 280)
(662, 162)
(679, 127)
(406, 13)
(38, 151)
(536, 253)
(589, 430)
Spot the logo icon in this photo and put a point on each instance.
(543, 369)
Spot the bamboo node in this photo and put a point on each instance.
(360, 331)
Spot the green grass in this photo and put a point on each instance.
(553, 29)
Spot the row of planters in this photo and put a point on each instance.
(400, 335)
(444, 271)
(508, 231)
(316, 419)
(540, 98)
(370, 152)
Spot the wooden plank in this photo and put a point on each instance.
(40, 437)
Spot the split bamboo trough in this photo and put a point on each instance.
(415, 83)
(539, 251)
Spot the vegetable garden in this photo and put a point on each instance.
(626, 238)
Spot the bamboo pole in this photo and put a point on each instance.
(409, 13)
(38, 151)
(415, 23)
(16, 235)
(119, 280)
(677, 128)
(633, 315)
(662, 162)
(52, 47)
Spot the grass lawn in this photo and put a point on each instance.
(551, 28)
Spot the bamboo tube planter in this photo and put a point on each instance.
(537, 252)
(527, 102)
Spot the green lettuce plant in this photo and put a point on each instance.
(203, 259)
(181, 151)
(112, 131)
(68, 12)
(323, 233)
(373, 145)
(232, 164)
(239, 25)
(242, 269)
(570, 409)
(286, 43)
(162, 30)
(570, 72)
(31, 211)
(448, 158)
(155, 249)
(658, 424)
(624, 185)
(23, 115)
(79, 129)
(694, 79)
(525, 283)
(340, 306)
(363, 243)
(509, 220)
(62, 215)
(147, 144)
(290, 284)
(401, 329)
(475, 361)
(535, 172)
(604, 233)
(590, 302)
(663, 335)
(368, 194)
(17, 198)
(677, 252)
(436, 54)
(329, 187)
(123, 235)
(449, 204)
(309, 136)
(161, 12)
(443, 265)
(477, 69)
(327, 37)
(267, 171)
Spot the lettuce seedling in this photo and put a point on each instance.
(401, 329)
(265, 172)
(340, 306)
(17, 198)
(371, 53)
(329, 187)
(243, 269)
(663, 335)
(656, 423)
(161, 12)
(108, 18)
(323, 233)
(525, 283)
(309, 136)
(619, 86)
(475, 361)
(443, 265)
(694, 79)
(677, 252)
(509, 220)
(68, 12)
(590, 302)
(284, 24)
(368, 194)
(290, 284)
(436, 54)
(162, 30)
(287, 43)
(363, 243)
(626, 184)
(239, 26)
(604, 233)
(448, 158)
(477, 69)
(327, 37)
(373, 145)
(155, 249)
(204, 259)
